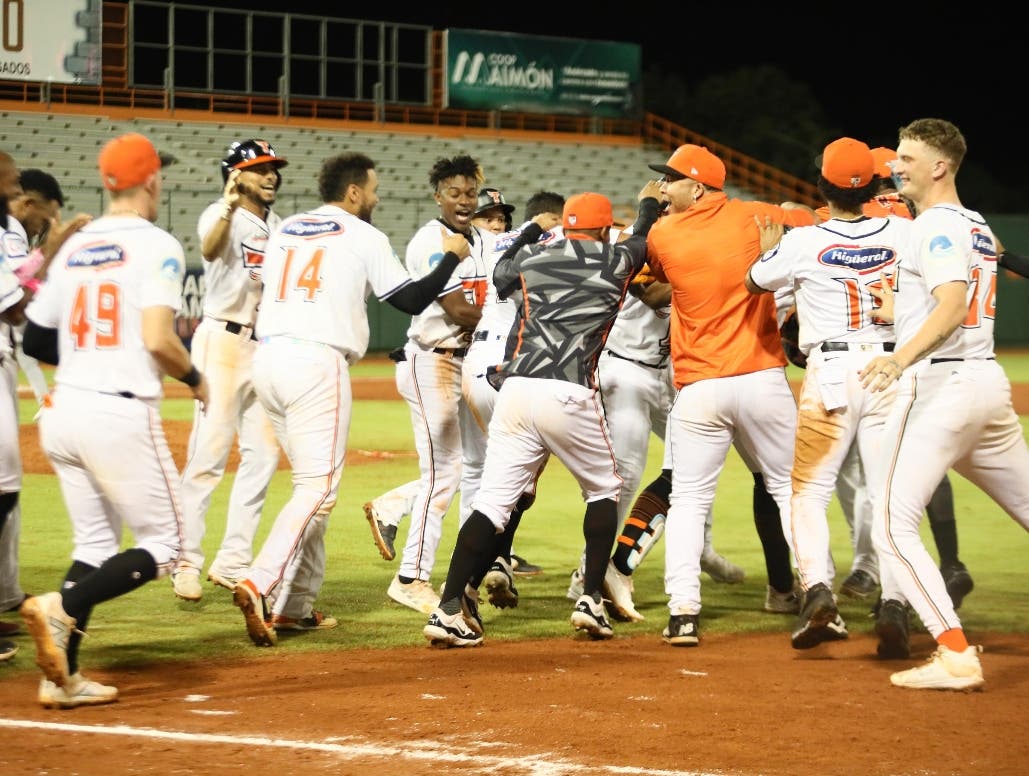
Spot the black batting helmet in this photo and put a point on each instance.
(247, 153)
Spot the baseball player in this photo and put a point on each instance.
(429, 377)
(312, 322)
(567, 295)
(233, 231)
(487, 350)
(829, 266)
(728, 363)
(952, 407)
(106, 317)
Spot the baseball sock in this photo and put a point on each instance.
(953, 639)
(8, 501)
(76, 572)
(118, 575)
(599, 526)
(643, 524)
(942, 524)
(768, 523)
(475, 542)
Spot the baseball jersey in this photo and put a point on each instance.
(319, 268)
(641, 333)
(432, 328)
(566, 296)
(490, 337)
(14, 249)
(718, 328)
(831, 266)
(96, 289)
(948, 243)
(233, 279)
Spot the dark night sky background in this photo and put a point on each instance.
(872, 69)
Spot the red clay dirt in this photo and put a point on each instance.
(737, 704)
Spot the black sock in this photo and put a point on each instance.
(77, 572)
(599, 527)
(942, 523)
(638, 531)
(768, 523)
(475, 543)
(119, 574)
(8, 501)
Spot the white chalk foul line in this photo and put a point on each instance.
(529, 764)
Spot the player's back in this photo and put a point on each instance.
(97, 287)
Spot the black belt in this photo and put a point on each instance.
(830, 346)
(452, 352)
(944, 360)
(641, 363)
(237, 328)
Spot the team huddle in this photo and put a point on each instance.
(569, 335)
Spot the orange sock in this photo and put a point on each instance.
(953, 639)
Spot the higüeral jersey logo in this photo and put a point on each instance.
(312, 228)
(860, 259)
(96, 256)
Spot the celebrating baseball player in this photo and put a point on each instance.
(233, 232)
(106, 317)
(429, 374)
(567, 295)
(829, 267)
(312, 323)
(728, 361)
(944, 307)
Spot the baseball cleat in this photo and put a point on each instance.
(77, 691)
(818, 611)
(945, 670)
(683, 630)
(255, 613)
(450, 630)
(499, 582)
(590, 617)
(50, 628)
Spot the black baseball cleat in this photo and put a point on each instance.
(818, 611)
(891, 626)
(959, 582)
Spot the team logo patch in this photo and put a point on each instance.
(435, 259)
(96, 257)
(940, 245)
(982, 243)
(313, 228)
(171, 268)
(858, 258)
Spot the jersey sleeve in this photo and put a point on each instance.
(164, 273)
(385, 272)
(940, 247)
(10, 288)
(208, 218)
(774, 270)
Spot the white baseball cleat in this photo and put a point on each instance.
(618, 590)
(78, 691)
(186, 585)
(945, 670)
(417, 595)
(50, 627)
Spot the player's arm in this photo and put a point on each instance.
(216, 238)
(654, 295)
(415, 296)
(1014, 262)
(505, 274)
(161, 341)
(40, 342)
(650, 208)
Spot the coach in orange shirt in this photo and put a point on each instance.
(727, 357)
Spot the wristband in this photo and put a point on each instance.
(191, 378)
(32, 284)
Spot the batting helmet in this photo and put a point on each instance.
(247, 153)
(490, 198)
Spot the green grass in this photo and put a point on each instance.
(151, 625)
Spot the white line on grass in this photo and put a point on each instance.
(530, 765)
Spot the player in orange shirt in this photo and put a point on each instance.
(728, 361)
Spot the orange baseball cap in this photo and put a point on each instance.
(128, 160)
(588, 210)
(696, 162)
(883, 156)
(848, 163)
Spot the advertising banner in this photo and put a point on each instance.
(50, 40)
(535, 74)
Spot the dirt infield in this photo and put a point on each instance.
(745, 705)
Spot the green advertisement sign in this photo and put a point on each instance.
(535, 74)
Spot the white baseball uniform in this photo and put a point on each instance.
(312, 322)
(430, 381)
(951, 410)
(223, 348)
(101, 427)
(13, 251)
(830, 266)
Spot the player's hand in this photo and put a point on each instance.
(770, 232)
(202, 393)
(59, 232)
(455, 243)
(650, 189)
(880, 373)
(884, 295)
(231, 193)
(547, 221)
